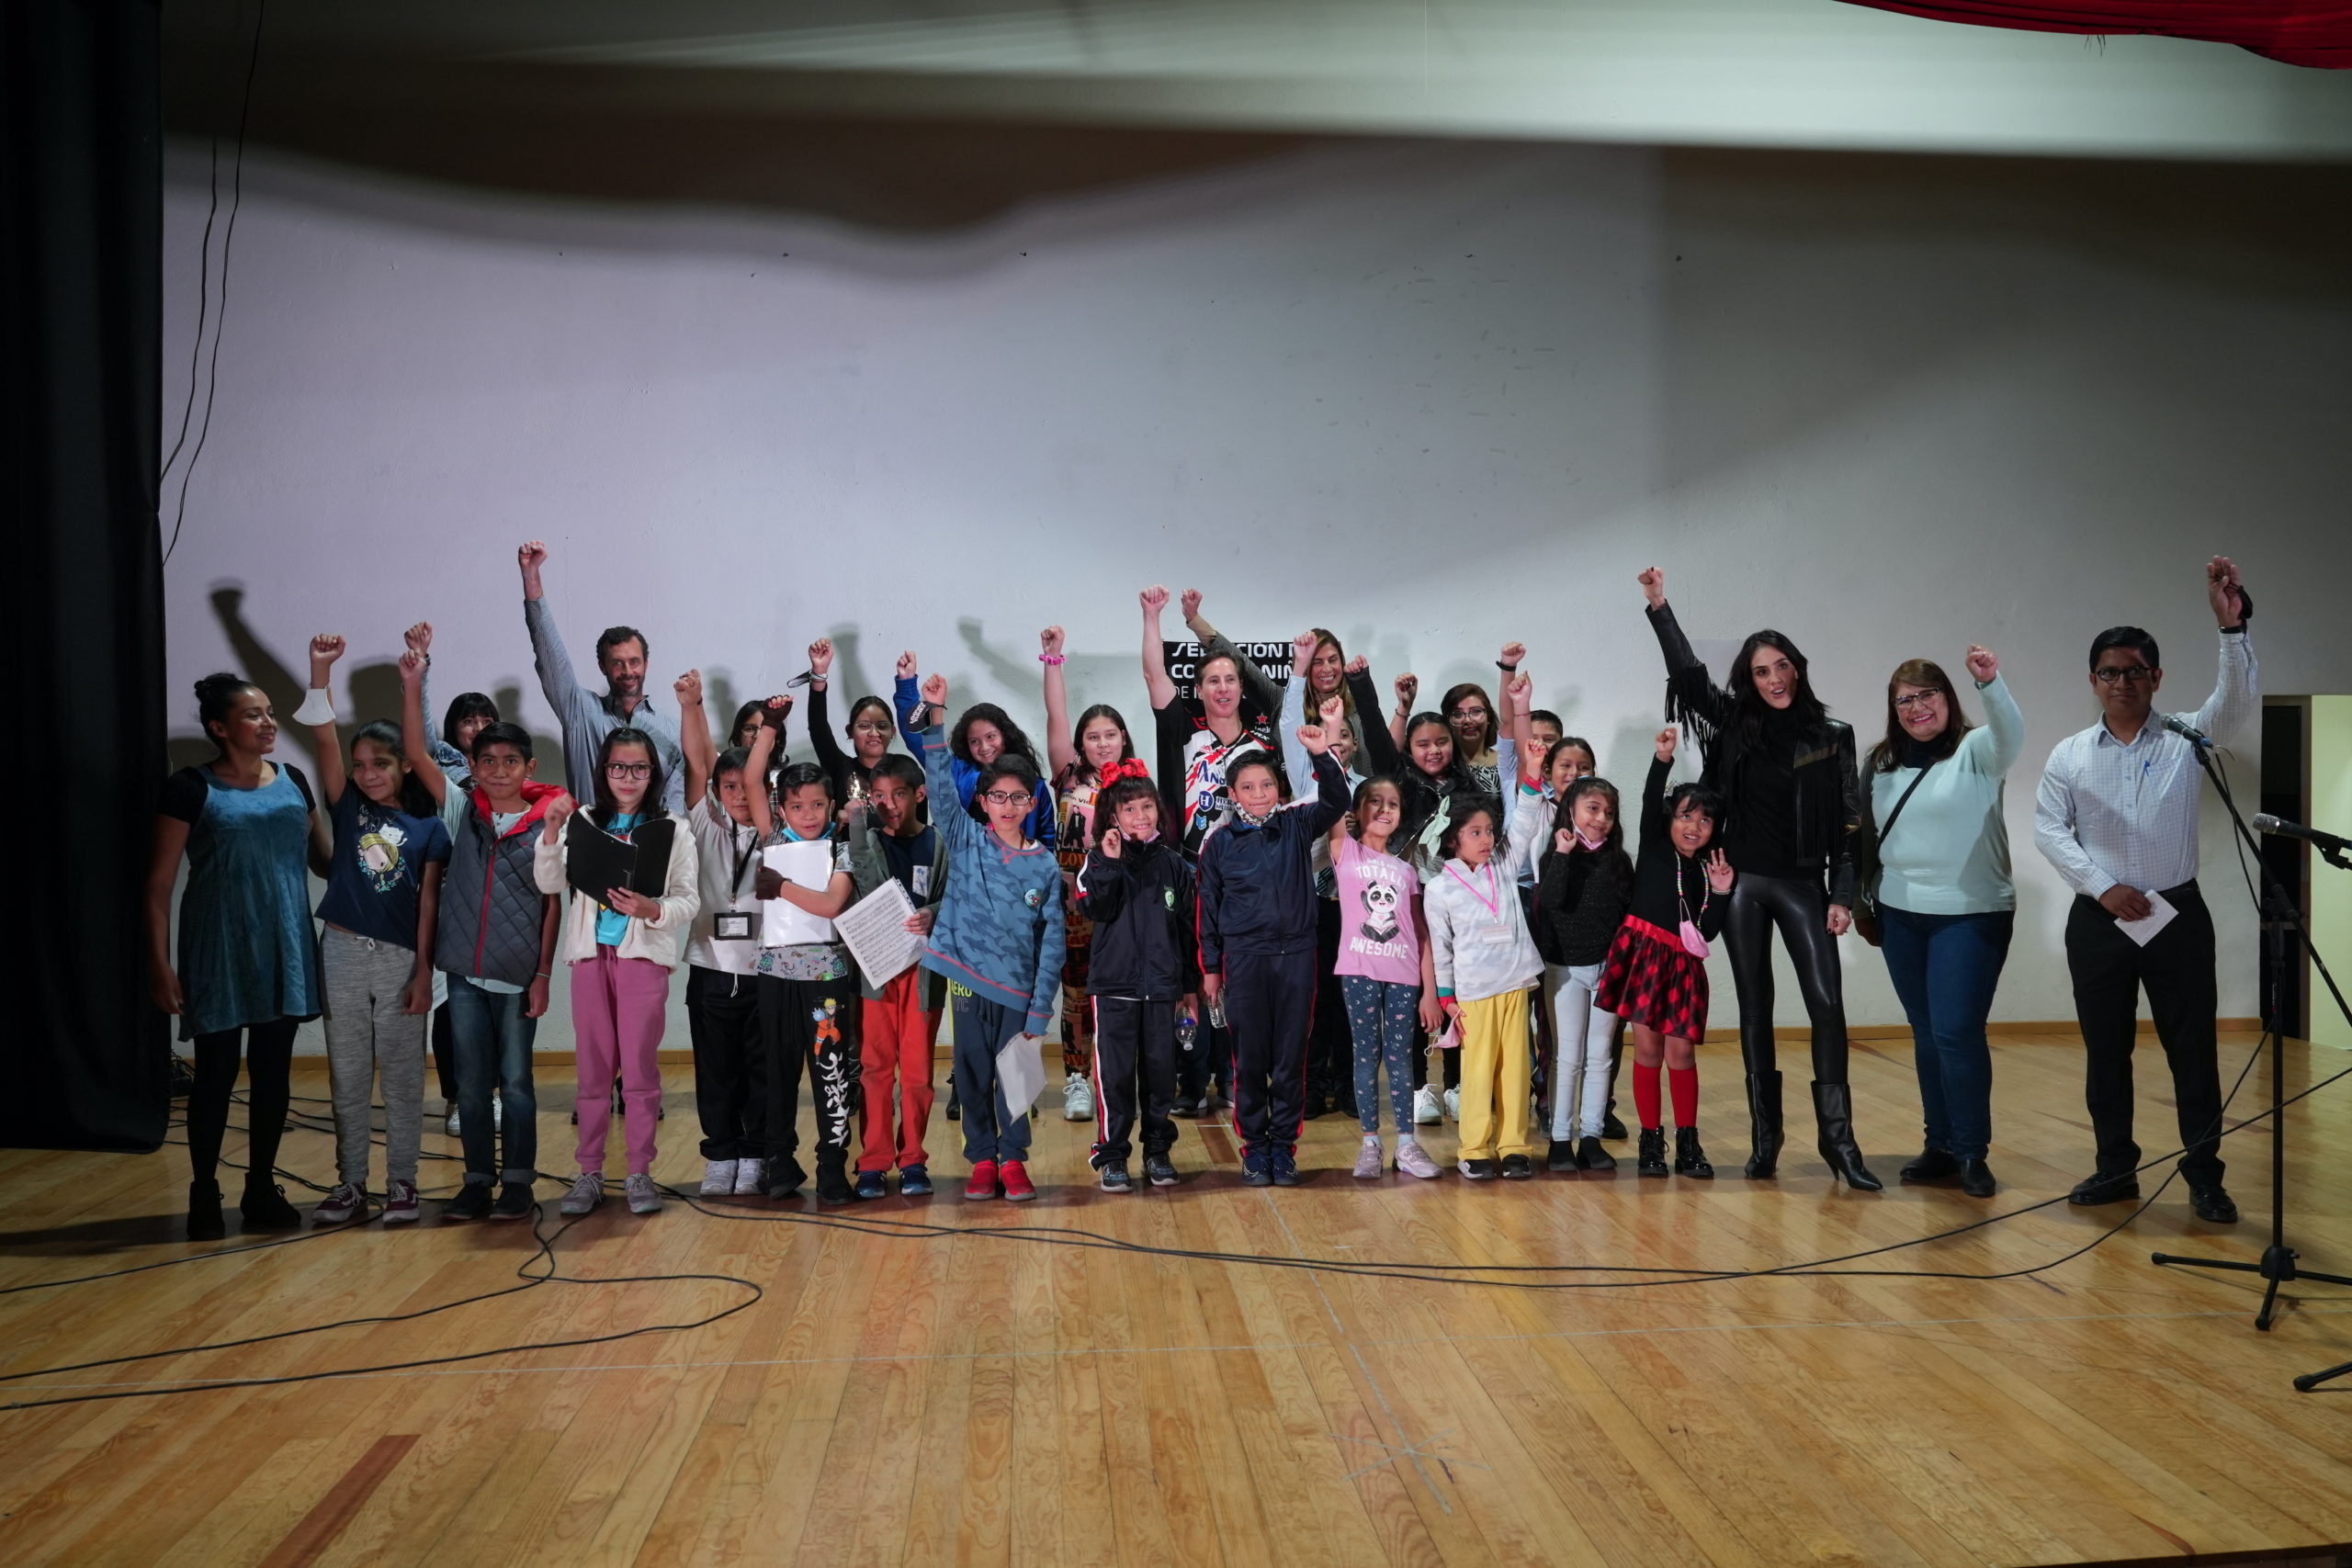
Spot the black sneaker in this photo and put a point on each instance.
(265, 1209)
(1517, 1167)
(1114, 1177)
(1561, 1156)
(832, 1183)
(1649, 1157)
(785, 1178)
(516, 1201)
(472, 1203)
(2092, 1191)
(1592, 1156)
(1283, 1164)
(1478, 1169)
(1160, 1171)
(1933, 1165)
(1256, 1170)
(1185, 1106)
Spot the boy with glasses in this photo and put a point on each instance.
(2117, 816)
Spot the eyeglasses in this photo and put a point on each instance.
(1005, 798)
(1467, 712)
(1917, 700)
(628, 770)
(871, 726)
(2130, 675)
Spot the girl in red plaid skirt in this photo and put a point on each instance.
(1656, 976)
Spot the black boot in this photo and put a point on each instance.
(1610, 1127)
(204, 1220)
(1650, 1153)
(1689, 1159)
(1833, 1106)
(1764, 1125)
(1933, 1165)
(265, 1207)
(955, 1105)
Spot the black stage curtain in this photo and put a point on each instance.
(86, 1055)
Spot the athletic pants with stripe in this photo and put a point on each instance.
(1135, 1055)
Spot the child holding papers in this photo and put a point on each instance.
(808, 999)
(901, 1012)
(998, 942)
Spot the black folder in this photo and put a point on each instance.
(596, 863)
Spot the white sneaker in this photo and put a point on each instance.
(644, 1198)
(718, 1178)
(587, 1191)
(450, 1126)
(1453, 1105)
(750, 1176)
(1427, 1110)
(1078, 1099)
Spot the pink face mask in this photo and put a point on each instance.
(1595, 844)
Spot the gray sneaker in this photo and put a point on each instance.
(643, 1197)
(1414, 1160)
(587, 1191)
(750, 1176)
(1368, 1160)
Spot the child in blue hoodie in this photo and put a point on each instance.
(998, 943)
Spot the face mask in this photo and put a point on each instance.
(1599, 843)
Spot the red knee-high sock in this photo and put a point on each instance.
(1683, 1084)
(1646, 1096)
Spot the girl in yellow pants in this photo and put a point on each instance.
(1485, 965)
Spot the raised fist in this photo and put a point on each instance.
(1409, 686)
(1153, 598)
(1982, 664)
(1192, 603)
(820, 656)
(907, 665)
(689, 688)
(531, 556)
(935, 690)
(1666, 743)
(1652, 583)
(419, 636)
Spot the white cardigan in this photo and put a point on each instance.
(657, 939)
(1483, 949)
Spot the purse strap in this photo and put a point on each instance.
(1878, 854)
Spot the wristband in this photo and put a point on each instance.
(1051, 657)
(317, 707)
(1507, 669)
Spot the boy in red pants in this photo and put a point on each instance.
(889, 840)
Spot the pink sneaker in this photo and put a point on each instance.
(1414, 1160)
(1368, 1158)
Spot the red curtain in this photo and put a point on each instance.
(2298, 32)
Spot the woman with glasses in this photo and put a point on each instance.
(868, 730)
(1793, 812)
(1945, 903)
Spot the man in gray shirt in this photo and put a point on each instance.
(588, 716)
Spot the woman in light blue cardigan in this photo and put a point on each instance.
(1944, 895)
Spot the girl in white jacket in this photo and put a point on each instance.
(1486, 966)
(621, 948)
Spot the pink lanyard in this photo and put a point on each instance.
(1494, 906)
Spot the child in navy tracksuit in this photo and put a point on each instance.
(1256, 944)
(1139, 894)
(996, 941)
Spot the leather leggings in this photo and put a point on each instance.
(1800, 911)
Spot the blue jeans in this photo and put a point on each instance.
(1945, 968)
(491, 1040)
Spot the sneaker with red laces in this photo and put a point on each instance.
(983, 1182)
(400, 1202)
(1016, 1182)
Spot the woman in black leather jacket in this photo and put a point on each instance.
(1788, 774)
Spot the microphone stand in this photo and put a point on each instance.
(2279, 918)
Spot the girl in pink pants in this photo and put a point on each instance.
(621, 945)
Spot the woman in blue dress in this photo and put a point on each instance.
(248, 963)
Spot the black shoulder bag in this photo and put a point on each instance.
(1867, 924)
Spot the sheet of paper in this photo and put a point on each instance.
(2159, 916)
(875, 928)
(809, 866)
(1020, 1073)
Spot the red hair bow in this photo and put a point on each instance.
(1125, 768)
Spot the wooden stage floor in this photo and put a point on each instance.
(901, 1395)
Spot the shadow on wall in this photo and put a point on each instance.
(373, 691)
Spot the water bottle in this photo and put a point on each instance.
(1188, 1029)
(1216, 1013)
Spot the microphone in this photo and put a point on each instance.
(2279, 826)
(2186, 731)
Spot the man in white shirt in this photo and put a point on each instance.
(2117, 816)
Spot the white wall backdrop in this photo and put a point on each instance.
(1429, 394)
